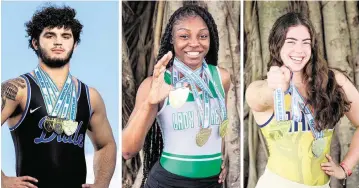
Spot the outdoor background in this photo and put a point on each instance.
(336, 24)
(95, 62)
(143, 24)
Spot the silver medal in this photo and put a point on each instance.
(178, 97)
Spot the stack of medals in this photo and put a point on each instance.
(63, 114)
(179, 95)
(298, 105)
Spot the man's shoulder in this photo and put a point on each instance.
(17, 82)
(94, 94)
(14, 88)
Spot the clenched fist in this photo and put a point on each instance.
(278, 77)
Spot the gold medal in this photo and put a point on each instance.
(203, 136)
(223, 128)
(69, 127)
(49, 124)
(178, 97)
(318, 146)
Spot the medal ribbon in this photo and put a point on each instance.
(194, 79)
(279, 104)
(297, 106)
(221, 99)
(64, 101)
(307, 114)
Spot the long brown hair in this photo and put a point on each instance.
(153, 145)
(324, 94)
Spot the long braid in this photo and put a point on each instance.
(146, 150)
(153, 145)
(152, 150)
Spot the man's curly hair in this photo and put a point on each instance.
(52, 17)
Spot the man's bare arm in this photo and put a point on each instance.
(101, 135)
(13, 92)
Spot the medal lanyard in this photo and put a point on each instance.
(51, 95)
(297, 106)
(309, 117)
(70, 105)
(221, 101)
(194, 78)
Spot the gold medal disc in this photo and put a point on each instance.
(49, 124)
(223, 128)
(203, 136)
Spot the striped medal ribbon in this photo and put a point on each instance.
(61, 106)
(319, 143)
(194, 79)
(298, 107)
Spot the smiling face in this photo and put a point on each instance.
(55, 46)
(296, 50)
(191, 40)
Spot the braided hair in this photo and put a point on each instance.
(153, 145)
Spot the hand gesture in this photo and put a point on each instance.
(18, 182)
(278, 77)
(159, 88)
(332, 169)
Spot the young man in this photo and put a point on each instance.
(49, 111)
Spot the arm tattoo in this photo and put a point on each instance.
(9, 90)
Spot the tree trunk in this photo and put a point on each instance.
(338, 52)
(337, 38)
(142, 64)
(226, 16)
(335, 154)
(315, 17)
(268, 13)
(254, 66)
(353, 23)
(220, 12)
(170, 8)
(129, 170)
(356, 70)
(233, 142)
(158, 26)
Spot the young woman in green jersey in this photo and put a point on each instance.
(186, 94)
(312, 98)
